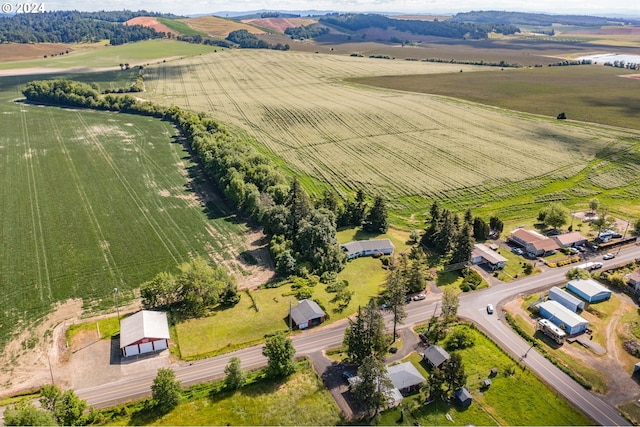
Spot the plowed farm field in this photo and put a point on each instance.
(408, 147)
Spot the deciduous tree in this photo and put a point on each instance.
(165, 390)
(236, 376)
(25, 414)
(554, 215)
(279, 351)
(450, 303)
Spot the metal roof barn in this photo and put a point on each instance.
(589, 290)
(144, 332)
(562, 317)
(566, 299)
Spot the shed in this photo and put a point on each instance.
(405, 377)
(306, 314)
(633, 279)
(573, 238)
(144, 332)
(367, 247)
(566, 299)
(435, 355)
(462, 397)
(589, 290)
(563, 317)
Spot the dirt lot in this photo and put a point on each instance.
(613, 365)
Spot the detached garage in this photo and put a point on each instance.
(589, 290)
(565, 298)
(144, 332)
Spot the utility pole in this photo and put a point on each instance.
(50, 370)
(115, 296)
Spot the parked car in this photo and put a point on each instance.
(346, 375)
(419, 297)
(581, 248)
(596, 265)
(608, 256)
(517, 251)
(573, 250)
(490, 308)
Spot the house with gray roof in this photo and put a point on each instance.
(367, 247)
(405, 377)
(435, 355)
(306, 314)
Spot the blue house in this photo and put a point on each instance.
(367, 247)
(566, 299)
(589, 290)
(562, 317)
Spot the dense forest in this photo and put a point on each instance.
(456, 30)
(250, 41)
(75, 27)
(306, 31)
(536, 19)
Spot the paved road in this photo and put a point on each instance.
(472, 307)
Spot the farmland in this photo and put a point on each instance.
(94, 200)
(408, 147)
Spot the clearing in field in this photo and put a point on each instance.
(216, 26)
(407, 147)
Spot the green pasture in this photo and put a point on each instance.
(139, 53)
(180, 27)
(92, 201)
(511, 400)
(247, 323)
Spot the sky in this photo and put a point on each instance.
(445, 7)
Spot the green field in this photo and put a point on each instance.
(408, 147)
(96, 200)
(96, 56)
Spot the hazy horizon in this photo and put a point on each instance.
(627, 8)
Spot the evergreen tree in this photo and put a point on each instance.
(358, 209)
(236, 376)
(299, 205)
(396, 292)
(450, 303)
(432, 389)
(480, 229)
(373, 385)
(165, 390)
(468, 217)
(453, 372)
(463, 246)
(279, 351)
(416, 281)
(496, 224)
(444, 239)
(365, 336)
(376, 221)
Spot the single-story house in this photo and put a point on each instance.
(570, 239)
(589, 290)
(633, 279)
(393, 396)
(562, 317)
(306, 314)
(405, 377)
(144, 332)
(565, 298)
(435, 355)
(535, 244)
(483, 254)
(367, 247)
(462, 397)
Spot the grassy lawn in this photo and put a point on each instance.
(300, 399)
(242, 325)
(511, 399)
(96, 55)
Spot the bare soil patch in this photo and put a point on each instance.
(20, 51)
(148, 21)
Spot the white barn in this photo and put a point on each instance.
(566, 299)
(144, 332)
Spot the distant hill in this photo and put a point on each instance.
(279, 24)
(75, 27)
(216, 26)
(537, 19)
(149, 22)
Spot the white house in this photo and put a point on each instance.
(367, 247)
(482, 254)
(144, 332)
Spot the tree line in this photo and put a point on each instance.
(449, 29)
(74, 27)
(306, 31)
(245, 39)
(305, 232)
(537, 19)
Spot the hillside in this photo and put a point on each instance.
(279, 24)
(215, 26)
(529, 19)
(149, 22)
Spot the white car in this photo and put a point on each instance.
(419, 297)
(608, 256)
(489, 308)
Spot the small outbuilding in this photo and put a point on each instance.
(482, 254)
(144, 332)
(562, 317)
(571, 239)
(435, 356)
(405, 377)
(589, 290)
(359, 248)
(566, 299)
(306, 314)
(633, 279)
(462, 397)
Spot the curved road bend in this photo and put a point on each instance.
(472, 307)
